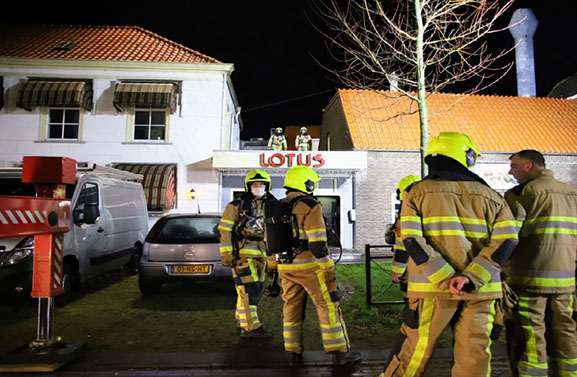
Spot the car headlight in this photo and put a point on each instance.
(22, 251)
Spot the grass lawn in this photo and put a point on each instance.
(112, 315)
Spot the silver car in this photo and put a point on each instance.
(181, 246)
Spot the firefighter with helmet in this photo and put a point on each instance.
(242, 246)
(303, 140)
(310, 271)
(277, 141)
(458, 233)
(400, 256)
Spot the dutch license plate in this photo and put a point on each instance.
(193, 269)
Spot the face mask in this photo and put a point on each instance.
(257, 191)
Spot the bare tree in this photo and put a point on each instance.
(416, 46)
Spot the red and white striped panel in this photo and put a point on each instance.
(58, 252)
(28, 216)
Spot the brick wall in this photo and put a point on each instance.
(376, 186)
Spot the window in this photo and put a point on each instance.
(63, 123)
(149, 124)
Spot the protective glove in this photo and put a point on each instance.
(510, 298)
(226, 259)
(498, 321)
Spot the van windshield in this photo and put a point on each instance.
(185, 230)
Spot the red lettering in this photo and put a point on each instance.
(290, 157)
(263, 160)
(278, 156)
(307, 162)
(319, 158)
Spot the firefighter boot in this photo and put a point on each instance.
(344, 358)
(261, 332)
(296, 360)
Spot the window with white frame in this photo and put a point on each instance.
(150, 124)
(63, 123)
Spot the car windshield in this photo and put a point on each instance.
(185, 230)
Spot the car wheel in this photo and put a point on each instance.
(70, 281)
(133, 265)
(148, 286)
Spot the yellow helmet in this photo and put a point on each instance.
(278, 129)
(304, 129)
(257, 176)
(301, 178)
(455, 145)
(404, 183)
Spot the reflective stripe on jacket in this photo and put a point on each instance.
(247, 248)
(544, 260)
(454, 228)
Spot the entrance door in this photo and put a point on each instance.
(332, 214)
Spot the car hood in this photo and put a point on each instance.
(158, 252)
(7, 244)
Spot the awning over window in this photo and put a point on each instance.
(159, 183)
(155, 95)
(33, 94)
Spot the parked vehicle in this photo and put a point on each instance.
(181, 246)
(109, 221)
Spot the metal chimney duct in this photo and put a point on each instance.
(522, 26)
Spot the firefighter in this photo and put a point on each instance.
(242, 246)
(400, 256)
(458, 233)
(303, 140)
(310, 271)
(542, 270)
(277, 141)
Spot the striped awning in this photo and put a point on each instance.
(154, 95)
(159, 183)
(32, 94)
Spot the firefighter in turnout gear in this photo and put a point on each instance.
(242, 246)
(458, 234)
(310, 271)
(303, 141)
(542, 271)
(277, 141)
(400, 256)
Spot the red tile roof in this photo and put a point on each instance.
(377, 120)
(110, 43)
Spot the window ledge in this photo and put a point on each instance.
(147, 142)
(61, 141)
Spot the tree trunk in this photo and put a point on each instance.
(421, 88)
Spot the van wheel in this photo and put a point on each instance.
(148, 286)
(133, 265)
(70, 281)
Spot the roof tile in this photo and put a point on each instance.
(110, 43)
(385, 120)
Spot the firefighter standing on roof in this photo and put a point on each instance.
(277, 141)
(542, 339)
(242, 246)
(311, 271)
(303, 140)
(458, 233)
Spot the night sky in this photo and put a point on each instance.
(272, 44)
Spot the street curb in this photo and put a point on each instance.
(92, 360)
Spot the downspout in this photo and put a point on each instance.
(222, 110)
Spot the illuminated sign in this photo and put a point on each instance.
(339, 160)
(289, 160)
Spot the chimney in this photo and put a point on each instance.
(522, 26)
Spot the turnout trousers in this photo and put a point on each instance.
(249, 275)
(296, 285)
(541, 338)
(424, 321)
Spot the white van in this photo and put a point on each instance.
(109, 222)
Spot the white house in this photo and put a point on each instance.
(119, 96)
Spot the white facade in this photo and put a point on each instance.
(205, 119)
